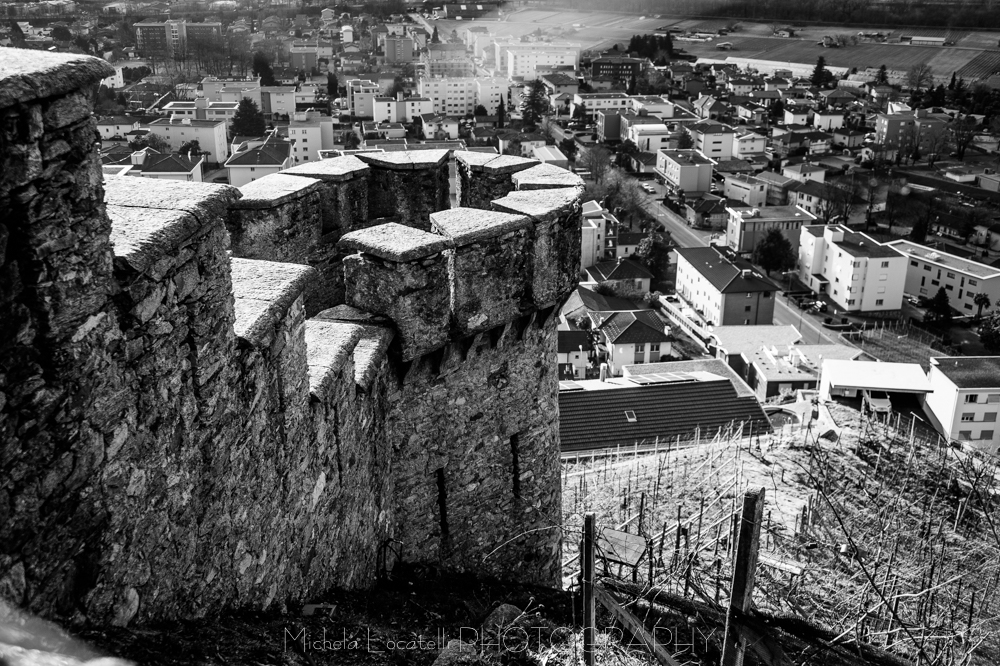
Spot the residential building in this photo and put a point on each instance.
(848, 138)
(663, 402)
(619, 68)
(819, 199)
(708, 212)
(549, 155)
(796, 115)
(302, 56)
(399, 50)
(271, 156)
(574, 350)
(776, 186)
(631, 338)
(828, 121)
(621, 272)
(748, 144)
(928, 270)
(686, 170)
(110, 127)
(559, 83)
(804, 171)
(211, 135)
(149, 163)
(310, 132)
(594, 102)
(855, 271)
(748, 225)
(436, 126)
(512, 57)
(360, 96)
(746, 189)
(166, 38)
(965, 400)
(277, 100)
(653, 105)
(596, 225)
(400, 110)
(608, 125)
(709, 107)
(723, 288)
(714, 140)
(216, 89)
(891, 129)
(446, 60)
(650, 138)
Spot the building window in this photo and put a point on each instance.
(927, 267)
(885, 264)
(951, 276)
(879, 301)
(986, 434)
(965, 435)
(654, 347)
(640, 347)
(968, 417)
(971, 398)
(850, 301)
(972, 283)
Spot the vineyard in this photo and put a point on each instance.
(876, 531)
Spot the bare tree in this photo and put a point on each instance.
(919, 77)
(936, 139)
(597, 160)
(963, 131)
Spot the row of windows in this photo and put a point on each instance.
(991, 417)
(966, 435)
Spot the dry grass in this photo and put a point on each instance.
(897, 541)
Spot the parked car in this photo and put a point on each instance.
(877, 401)
(649, 188)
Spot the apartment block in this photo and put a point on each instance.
(747, 189)
(172, 36)
(724, 289)
(928, 270)
(747, 225)
(966, 399)
(686, 170)
(714, 140)
(854, 270)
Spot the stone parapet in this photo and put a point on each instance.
(278, 219)
(483, 177)
(401, 273)
(556, 260)
(345, 193)
(489, 266)
(545, 177)
(407, 186)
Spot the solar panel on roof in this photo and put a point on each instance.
(661, 378)
(569, 386)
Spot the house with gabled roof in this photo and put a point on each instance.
(724, 288)
(621, 272)
(632, 337)
(150, 163)
(271, 156)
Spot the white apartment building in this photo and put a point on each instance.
(928, 270)
(210, 135)
(966, 399)
(714, 140)
(593, 233)
(212, 87)
(857, 272)
(278, 100)
(451, 96)
(310, 132)
(490, 91)
(360, 95)
(524, 62)
(503, 46)
(594, 102)
(402, 109)
(686, 170)
(653, 105)
(650, 138)
(748, 225)
(749, 190)
(747, 145)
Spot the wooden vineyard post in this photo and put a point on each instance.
(589, 609)
(744, 571)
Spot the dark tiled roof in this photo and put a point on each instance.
(625, 269)
(271, 153)
(571, 341)
(726, 272)
(593, 419)
(632, 327)
(971, 371)
(592, 301)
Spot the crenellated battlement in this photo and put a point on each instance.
(216, 397)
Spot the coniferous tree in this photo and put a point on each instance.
(248, 119)
(951, 85)
(262, 67)
(774, 252)
(332, 85)
(501, 112)
(821, 75)
(537, 103)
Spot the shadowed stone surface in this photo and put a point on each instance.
(394, 242)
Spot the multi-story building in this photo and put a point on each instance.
(525, 62)
(618, 68)
(891, 129)
(776, 186)
(212, 88)
(595, 225)
(149, 163)
(562, 53)
(277, 100)
(302, 56)
(400, 110)
(447, 60)
(747, 189)
(271, 156)
(653, 105)
(210, 135)
(804, 171)
(854, 270)
(116, 126)
(829, 120)
(399, 49)
(594, 102)
(650, 138)
(453, 96)
(748, 225)
(162, 38)
(724, 289)
(310, 132)
(686, 170)
(748, 144)
(714, 140)
(360, 95)
(965, 399)
(928, 270)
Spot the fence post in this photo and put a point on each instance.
(589, 609)
(744, 572)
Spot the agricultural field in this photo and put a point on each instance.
(873, 528)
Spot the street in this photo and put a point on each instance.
(685, 236)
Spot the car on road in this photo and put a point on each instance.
(649, 188)
(876, 401)
(912, 300)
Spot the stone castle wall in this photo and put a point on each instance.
(212, 397)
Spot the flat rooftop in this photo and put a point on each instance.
(765, 213)
(687, 157)
(970, 372)
(944, 259)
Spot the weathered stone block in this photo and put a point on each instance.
(407, 186)
(490, 266)
(545, 177)
(483, 177)
(556, 253)
(345, 192)
(402, 273)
